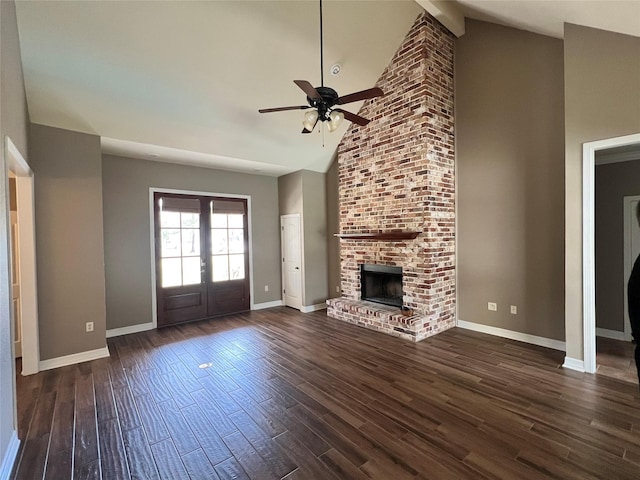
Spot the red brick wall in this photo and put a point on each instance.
(397, 173)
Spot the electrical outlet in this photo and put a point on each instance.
(266, 288)
(89, 326)
(337, 288)
(492, 306)
(514, 310)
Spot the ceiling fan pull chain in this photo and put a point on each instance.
(322, 128)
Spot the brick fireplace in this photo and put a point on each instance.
(396, 181)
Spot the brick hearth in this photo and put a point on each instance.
(397, 174)
(381, 318)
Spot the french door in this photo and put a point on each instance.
(202, 257)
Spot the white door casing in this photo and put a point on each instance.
(631, 251)
(26, 244)
(291, 260)
(589, 149)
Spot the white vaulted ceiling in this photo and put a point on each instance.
(192, 75)
(182, 81)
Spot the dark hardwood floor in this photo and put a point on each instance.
(278, 394)
(615, 358)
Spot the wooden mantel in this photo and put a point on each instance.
(389, 236)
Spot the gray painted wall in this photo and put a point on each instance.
(14, 122)
(69, 240)
(127, 227)
(315, 237)
(304, 192)
(509, 155)
(333, 226)
(290, 193)
(613, 182)
(602, 100)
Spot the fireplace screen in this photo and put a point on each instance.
(381, 284)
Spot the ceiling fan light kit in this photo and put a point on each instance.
(310, 119)
(323, 100)
(335, 119)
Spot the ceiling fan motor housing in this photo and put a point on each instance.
(324, 104)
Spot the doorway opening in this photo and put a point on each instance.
(24, 242)
(590, 150)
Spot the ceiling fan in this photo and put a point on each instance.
(324, 101)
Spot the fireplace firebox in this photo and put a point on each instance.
(381, 284)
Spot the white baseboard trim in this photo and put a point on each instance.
(521, 337)
(74, 358)
(573, 364)
(613, 334)
(262, 306)
(9, 456)
(142, 327)
(313, 308)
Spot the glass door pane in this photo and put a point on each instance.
(227, 246)
(180, 241)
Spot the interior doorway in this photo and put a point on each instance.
(590, 149)
(617, 247)
(24, 242)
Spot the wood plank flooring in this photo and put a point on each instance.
(615, 358)
(277, 394)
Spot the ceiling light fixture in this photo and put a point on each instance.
(335, 119)
(324, 102)
(328, 97)
(310, 119)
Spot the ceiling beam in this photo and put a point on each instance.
(447, 13)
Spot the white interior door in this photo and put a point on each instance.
(631, 250)
(291, 260)
(15, 284)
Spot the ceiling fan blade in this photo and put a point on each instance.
(363, 95)
(308, 89)
(282, 109)
(352, 117)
